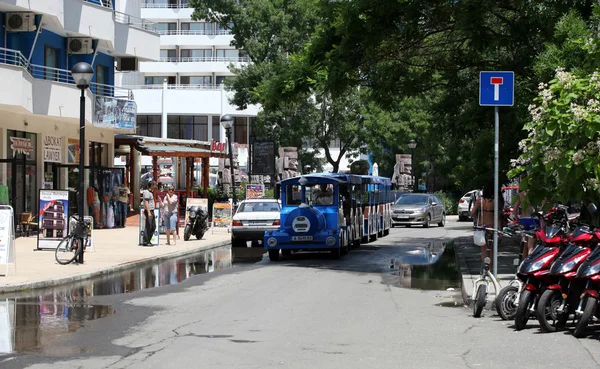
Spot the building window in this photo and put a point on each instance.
(102, 88)
(187, 127)
(195, 80)
(220, 80)
(197, 28)
(149, 125)
(51, 61)
(240, 130)
(216, 129)
(168, 55)
(166, 28)
(223, 30)
(158, 80)
(195, 55)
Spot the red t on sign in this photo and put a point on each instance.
(497, 81)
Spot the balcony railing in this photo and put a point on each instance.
(207, 59)
(136, 22)
(164, 6)
(220, 32)
(174, 87)
(14, 57)
(104, 3)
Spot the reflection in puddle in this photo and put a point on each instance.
(429, 267)
(36, 322)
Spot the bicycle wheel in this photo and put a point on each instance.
(66, 251)
(479, 302)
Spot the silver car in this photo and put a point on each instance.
(252, 219)
(418, 209)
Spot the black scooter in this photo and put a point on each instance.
(197, 223)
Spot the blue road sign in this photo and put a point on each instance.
(496, 88)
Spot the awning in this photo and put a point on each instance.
(152, 146)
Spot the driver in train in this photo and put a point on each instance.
(324, 195)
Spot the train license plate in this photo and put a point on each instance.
(302, 238)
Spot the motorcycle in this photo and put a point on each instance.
(197, 223)
(588, 275)
(561, 297)
(534, 271)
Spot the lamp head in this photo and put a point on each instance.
(227, 121)
(82, 74)
(412, 144)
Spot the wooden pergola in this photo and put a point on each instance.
(164, 147)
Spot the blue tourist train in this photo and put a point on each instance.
(330, 212)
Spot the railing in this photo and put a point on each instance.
(14, 57)
(104, 3)
(206, 59)
(220, 32)
(134, 21)
(164, 6)
(175, 87)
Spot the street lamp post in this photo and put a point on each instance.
(411, 145)
(227, 122)
(82, 74)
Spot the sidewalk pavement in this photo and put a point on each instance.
(468, 259)
(114, 250)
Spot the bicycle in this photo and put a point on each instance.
(74, 243)
(481, 285)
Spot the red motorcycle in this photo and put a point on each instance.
(562, 297)
(534, 271)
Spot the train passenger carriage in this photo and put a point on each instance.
(327, 212)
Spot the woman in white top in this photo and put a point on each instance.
(170, 204)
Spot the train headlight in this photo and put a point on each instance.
(272, 242)
(330, 241)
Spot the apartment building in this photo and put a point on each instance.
(39, 105)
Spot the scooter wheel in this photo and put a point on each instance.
(546, 311)
(479, 302)
(505, 302)
(588, 310)
(522, 314)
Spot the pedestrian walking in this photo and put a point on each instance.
(483, 212)
(170, 205)
(149, 206)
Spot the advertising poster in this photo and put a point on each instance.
(73, 151)
(155, 237)
(6, 235)
(222, 214)
(54, 212)
(115, 113)
(203, 203)
(255, 191)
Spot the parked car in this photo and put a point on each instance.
(252, 219)
(418, 209)
(464, 205)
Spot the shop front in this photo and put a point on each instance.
(18, 172)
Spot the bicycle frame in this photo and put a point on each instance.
(484, 280)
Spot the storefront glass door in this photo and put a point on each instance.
(21, 175)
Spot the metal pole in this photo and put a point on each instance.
(412, 169)
(81, 160)
(496, 210)
(231, 166)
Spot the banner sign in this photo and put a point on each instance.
(6, 235)
(21, 146)
(254, 191)
(155, 237)
(115, 113)
(222, 214)
(53, 149)
(73, 151)
(53, 218)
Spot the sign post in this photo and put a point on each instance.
(496, 89)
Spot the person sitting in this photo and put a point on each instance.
(324, 196)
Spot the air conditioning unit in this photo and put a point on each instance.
(127, 64)
(80, 45)
(20, 22)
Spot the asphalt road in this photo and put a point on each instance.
(310, 312)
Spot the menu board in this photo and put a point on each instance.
(263, 158)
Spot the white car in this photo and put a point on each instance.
(252, 219)
(463, 206)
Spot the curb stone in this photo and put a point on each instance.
(22, 286)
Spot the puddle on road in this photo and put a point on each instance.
(33, 322)
(429, 267)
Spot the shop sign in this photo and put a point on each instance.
(119, 114)
(255, 191)
(218, 146)
(21, 146)
(53, 149)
